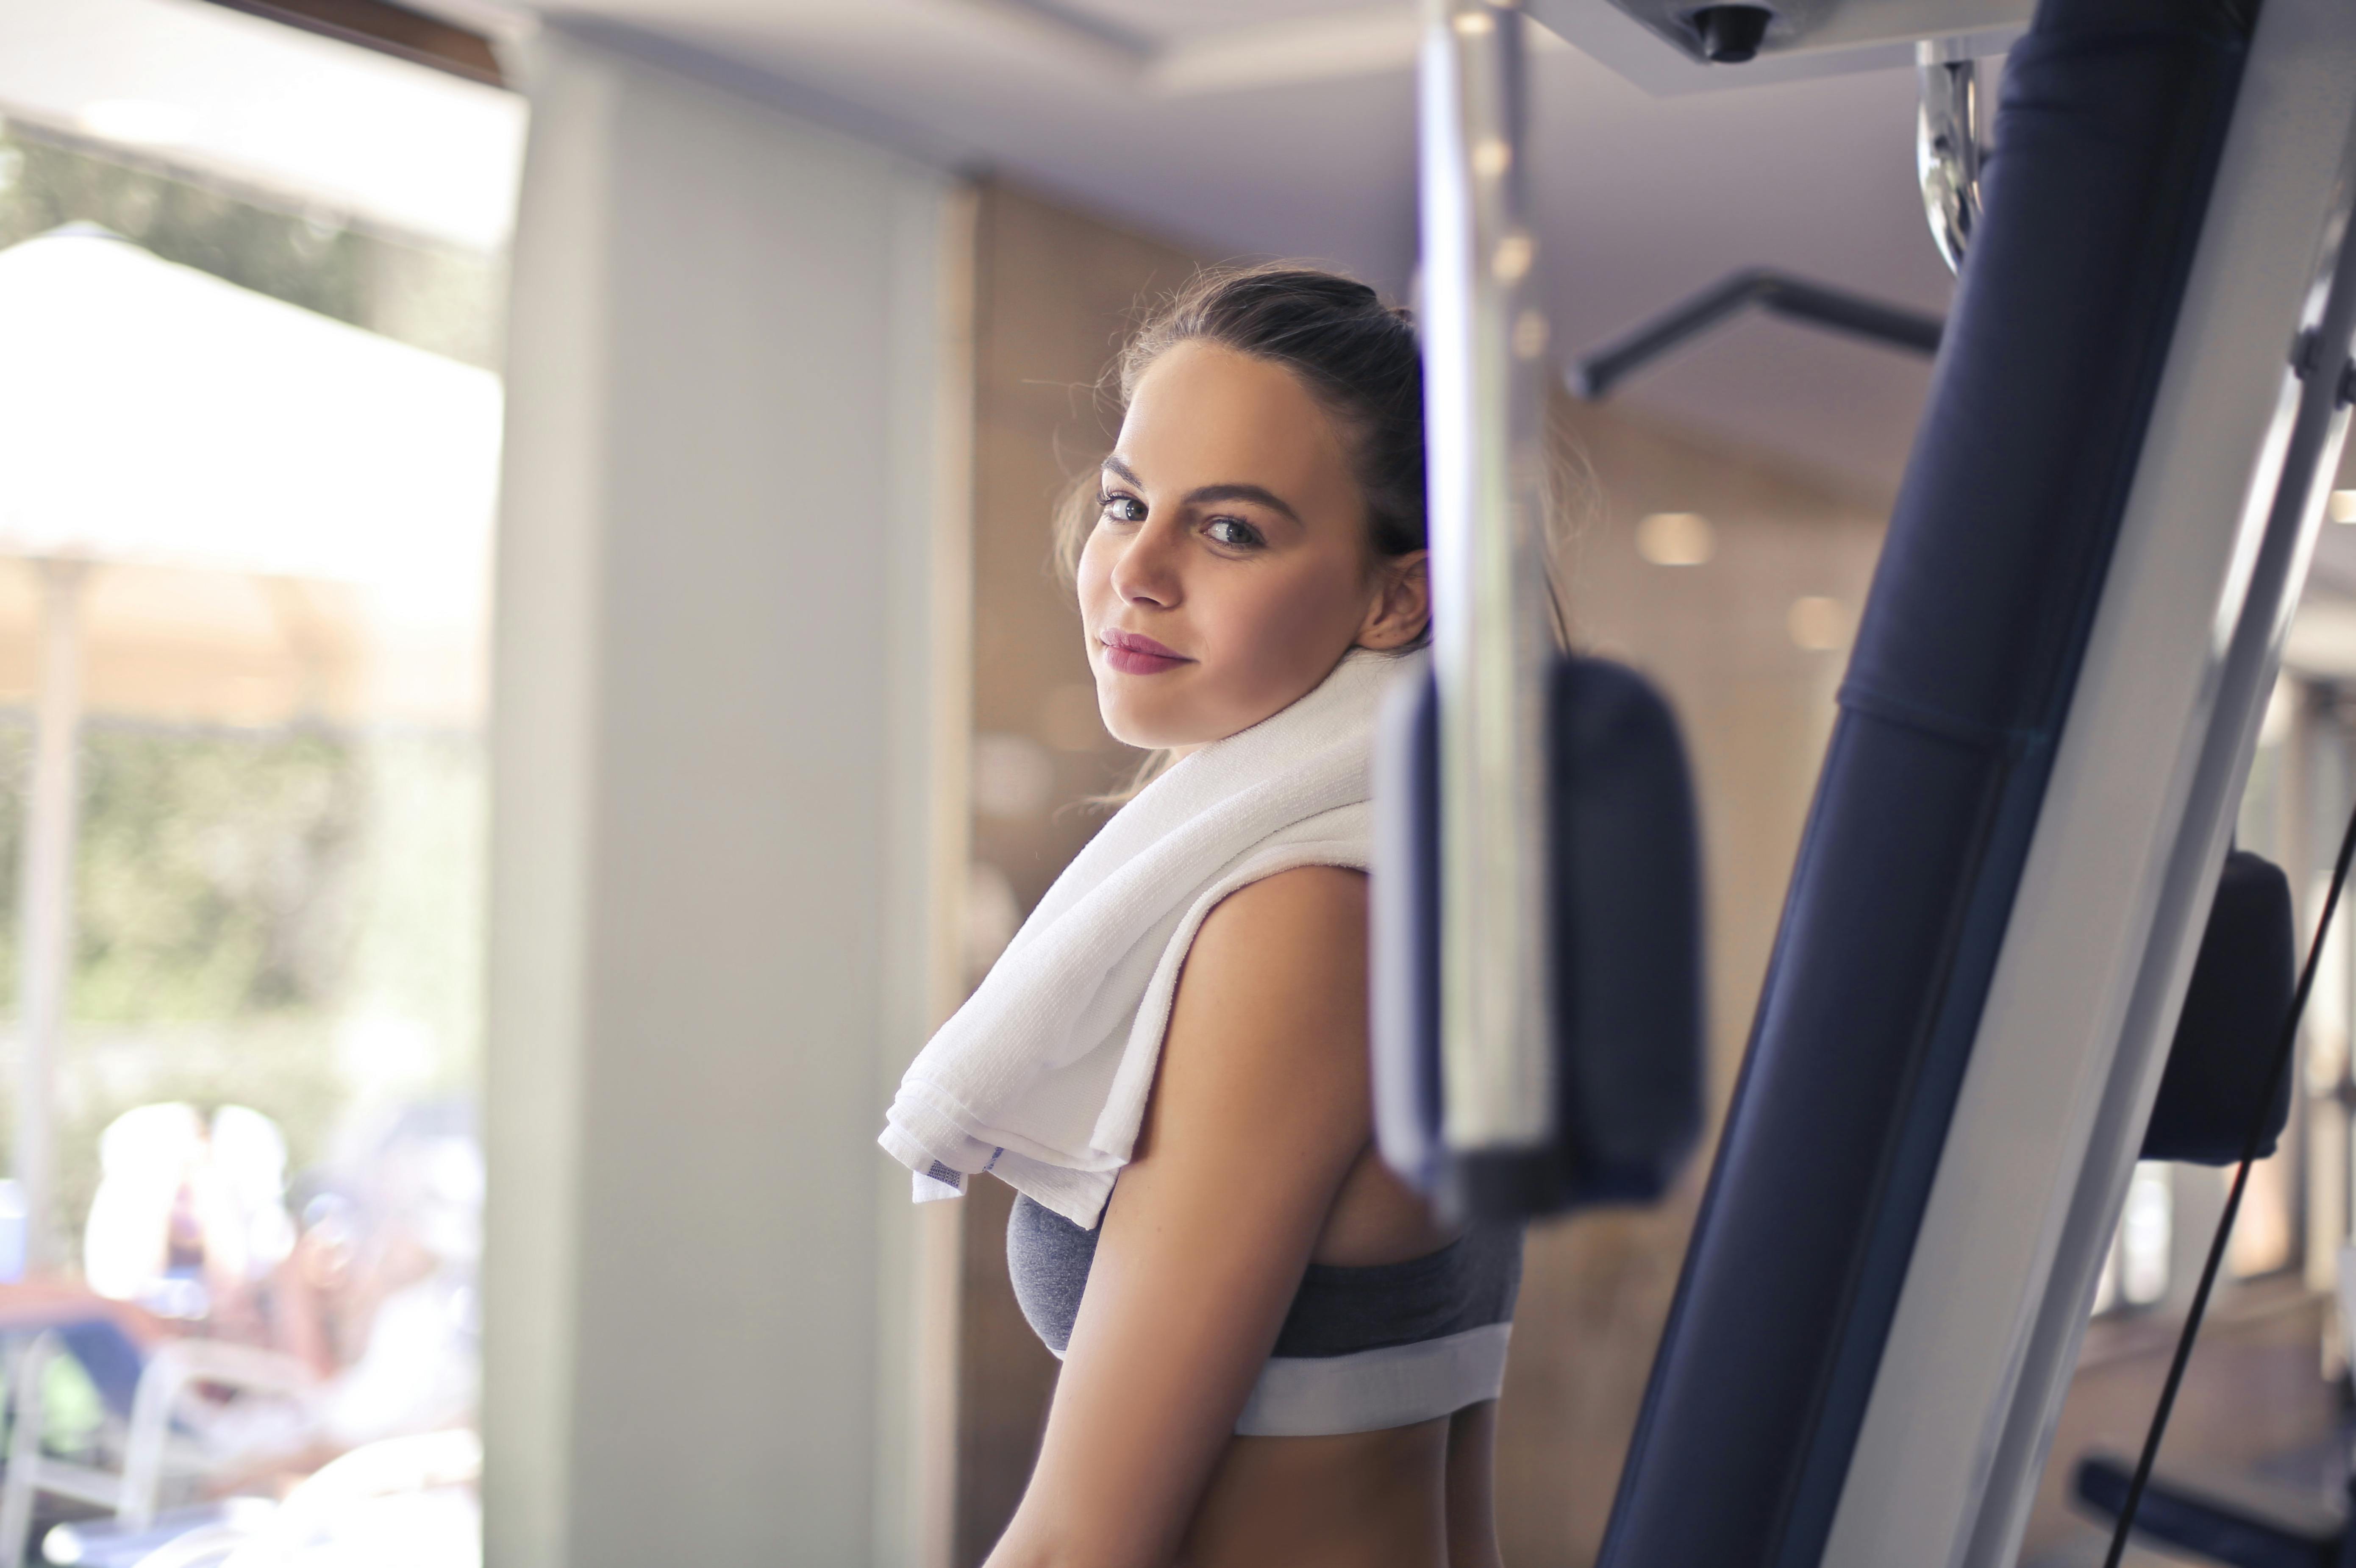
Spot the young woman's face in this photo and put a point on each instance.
(1229, 569)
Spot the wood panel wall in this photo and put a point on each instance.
(1756, 710)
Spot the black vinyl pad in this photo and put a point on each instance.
(2234, 1010)
(1624, 923)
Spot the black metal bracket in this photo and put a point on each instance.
(1595, 374)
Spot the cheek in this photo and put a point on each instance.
(1283, 630)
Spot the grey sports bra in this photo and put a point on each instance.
(1361, 1348)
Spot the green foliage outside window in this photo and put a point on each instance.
(214, 876)
(240, 899)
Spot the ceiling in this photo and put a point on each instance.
(1286, 127)
(1236, 127)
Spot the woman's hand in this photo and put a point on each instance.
(1259, 1107)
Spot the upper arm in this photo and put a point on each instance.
(1260, 1107)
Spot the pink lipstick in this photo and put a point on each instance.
(1133, 653)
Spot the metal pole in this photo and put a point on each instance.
(1947, 145)
(1483, 349)
(44, 898)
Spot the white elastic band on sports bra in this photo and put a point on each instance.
(1320, 1396)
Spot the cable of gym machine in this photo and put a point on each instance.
(2284, 1048)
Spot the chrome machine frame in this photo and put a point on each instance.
(1485, 356)
(2246, 431)
(2213, 555)
(1947, 143)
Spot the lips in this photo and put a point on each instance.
(1134, 653)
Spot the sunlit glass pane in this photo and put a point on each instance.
(2144, 1236)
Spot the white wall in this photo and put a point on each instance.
(728, 707)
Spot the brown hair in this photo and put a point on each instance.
(1358, 358)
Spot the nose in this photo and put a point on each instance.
(1146, 572)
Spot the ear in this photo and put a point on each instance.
(1401, 606)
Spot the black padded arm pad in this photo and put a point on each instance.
(1625, 918)
(2226, 1037)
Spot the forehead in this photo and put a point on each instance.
(1203, 414)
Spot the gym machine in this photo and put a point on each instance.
(2024, 814)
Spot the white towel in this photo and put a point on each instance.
(1041, 1076)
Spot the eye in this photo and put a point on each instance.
(1234, 532)
(1118, 507)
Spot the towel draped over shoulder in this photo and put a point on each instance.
(1041, 1076)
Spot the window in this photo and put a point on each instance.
(249, 447)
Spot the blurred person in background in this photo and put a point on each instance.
(374, 1296)
(379, 1297)
(189, 1220)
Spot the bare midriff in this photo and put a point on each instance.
(1364, 1499)
(1407, 1497)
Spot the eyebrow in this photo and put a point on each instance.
(1202, 494)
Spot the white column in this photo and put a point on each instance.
(45, 900)
(728, 728)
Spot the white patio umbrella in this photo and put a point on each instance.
(153, 414)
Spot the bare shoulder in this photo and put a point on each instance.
(1276, 976)
(1307, 907)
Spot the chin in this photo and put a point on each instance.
(1145, 737)
(1142, 731)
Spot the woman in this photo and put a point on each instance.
(1274, 1353)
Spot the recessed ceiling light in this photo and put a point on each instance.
(137, 122)
(1529, 335)
(1514, 254)
(1675, 539)
(2343, 506)
(1817, 624)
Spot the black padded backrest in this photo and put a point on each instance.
(1627, 938)
(2114, 113)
